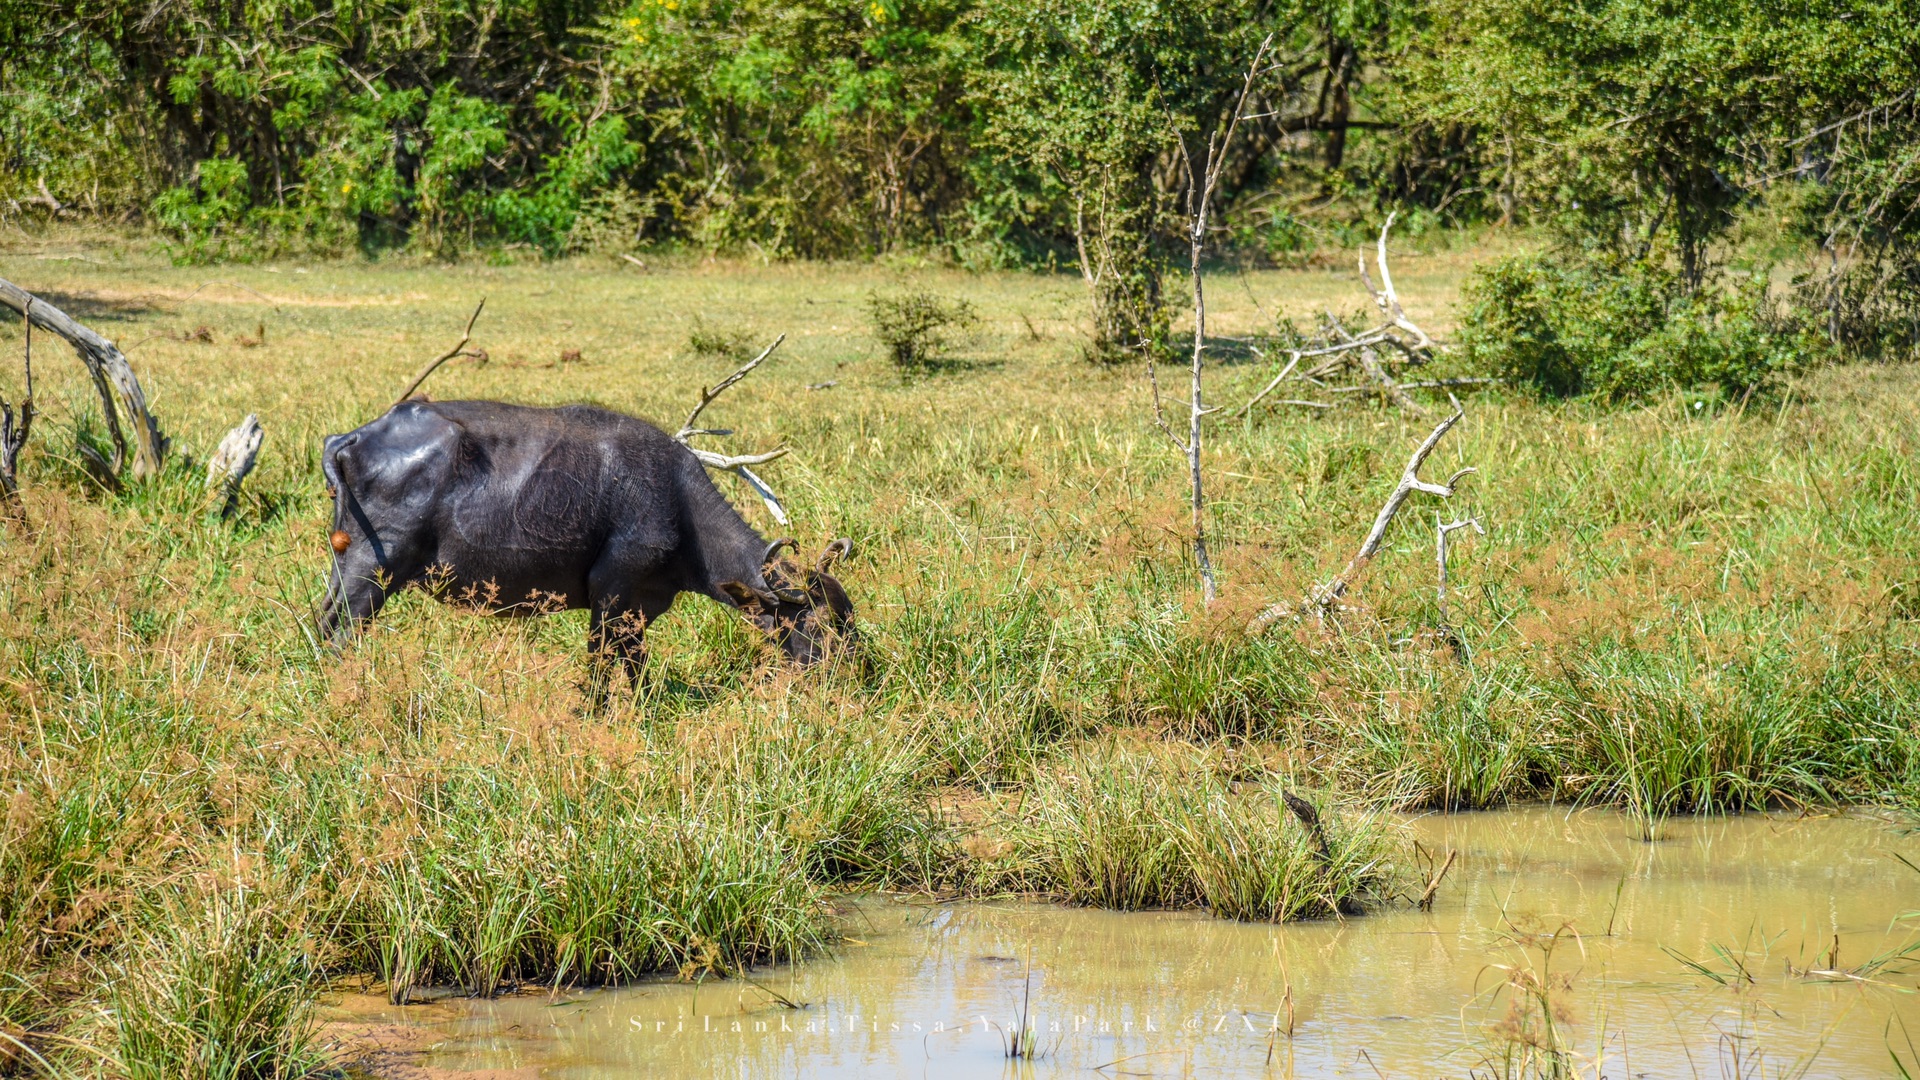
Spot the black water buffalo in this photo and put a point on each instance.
(521, 511)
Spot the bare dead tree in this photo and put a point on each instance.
(113, 379)
(15, 429)
(1361, 352)
(742, 465)
(230, 464)
(459, 349)
(1200, 185)
(1328, 596)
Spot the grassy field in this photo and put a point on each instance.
(1692, 605)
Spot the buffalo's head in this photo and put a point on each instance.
(804, 610)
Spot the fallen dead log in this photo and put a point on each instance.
(112, 376)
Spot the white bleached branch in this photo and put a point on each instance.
(230, 464)
(1327, 596)
(740, 465)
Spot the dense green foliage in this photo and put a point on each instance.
(1640, 133)
(1567, 327)
(810, 128)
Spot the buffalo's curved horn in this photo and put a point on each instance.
(774, 549)
(745, 596)
(784, 593)
(834, 552)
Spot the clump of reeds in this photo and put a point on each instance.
(1152, 826)
(214, 987)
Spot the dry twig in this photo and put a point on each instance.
(459, 349)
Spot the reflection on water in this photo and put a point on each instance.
(931, 990)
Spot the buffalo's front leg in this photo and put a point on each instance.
(617, 630)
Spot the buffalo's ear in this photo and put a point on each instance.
(745, 597)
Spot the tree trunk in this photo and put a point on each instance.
(1340, 60)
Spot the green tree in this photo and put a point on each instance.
(1085, 97)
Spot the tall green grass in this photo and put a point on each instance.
(1132, 826)
(216, 987)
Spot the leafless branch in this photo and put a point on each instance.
(459, 349)
(1428, 384)
(1370, 363)
(738, 465)
(1328, 596)
(1159, 413)
(46, 198)
(1386, 299)
(721, 461)
(1399, 333)
(707, 396)
(1293, 361)
(1844, 121)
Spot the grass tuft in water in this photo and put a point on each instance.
(1125, 825)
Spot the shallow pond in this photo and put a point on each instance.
(930, 989)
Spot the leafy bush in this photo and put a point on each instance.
(1871, 309)
(713, 339)
(1568, 327)
(206, 211)
(918, 328)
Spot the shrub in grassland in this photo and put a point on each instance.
(920, 328)
(1566, 326)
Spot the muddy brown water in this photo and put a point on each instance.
(931, 990)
